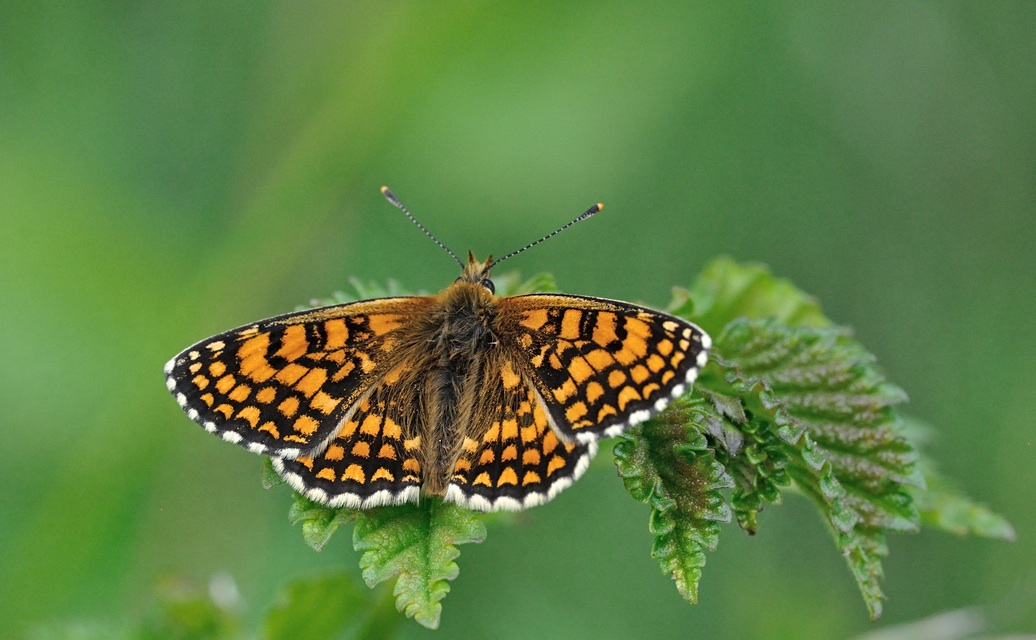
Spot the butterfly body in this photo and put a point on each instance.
(450, 347)
(490, 402)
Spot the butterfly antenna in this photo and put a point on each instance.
(588, 214)
(391, 197)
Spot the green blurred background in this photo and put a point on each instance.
(171, 170)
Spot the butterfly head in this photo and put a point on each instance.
(478, 272)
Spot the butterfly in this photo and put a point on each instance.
(492, 403)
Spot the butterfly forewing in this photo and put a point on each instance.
(598, 365)
(281, 386)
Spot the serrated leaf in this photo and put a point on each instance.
(680, 480)
(758, 469)
(727, 290)
(416, 545)
(362, 290)
(329, 606)
(728, 407)
(943, 506)
(832, 414)
(319, 521)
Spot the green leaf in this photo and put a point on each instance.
(810, 407)
(511, 284)
(727, 290)
(941, 502)
(330, 606)
(821, 412)
(679, 478)
(268, 476)
(416, 545)
(319, 522)
(361, 290)
(944, 507)
(757, 467)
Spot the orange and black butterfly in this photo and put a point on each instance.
(489, 402)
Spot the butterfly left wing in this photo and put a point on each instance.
(600, 366)
(375, 457)
(281, 386)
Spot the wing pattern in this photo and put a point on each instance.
(280, 387)
(601, 366)
(517, 460)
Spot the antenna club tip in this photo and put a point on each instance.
(391, 197)
(592, 211)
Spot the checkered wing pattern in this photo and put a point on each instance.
(374, 459)
(600, 366)
(512, 459)
(281, 387)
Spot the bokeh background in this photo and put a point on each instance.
(171, 170)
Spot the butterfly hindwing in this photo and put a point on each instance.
(513, 459)
(374, 458)
(281, 386)
(599, 365)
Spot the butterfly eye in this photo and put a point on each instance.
(488, 284)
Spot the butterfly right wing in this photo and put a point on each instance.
(600, 366)
(282, 386)
(511, 458)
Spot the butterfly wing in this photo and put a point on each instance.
(600, 366)
(511, 459)
(282, 386)
(374, 458)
